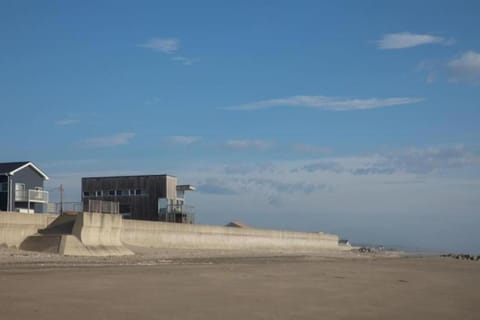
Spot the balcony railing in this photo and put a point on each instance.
(179, 213)
(179, 208)
(31, 196)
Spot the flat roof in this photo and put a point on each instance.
(131, 176)
(186, 187)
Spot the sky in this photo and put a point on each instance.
(359, 118)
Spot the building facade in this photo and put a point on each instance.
(21, 187)
(144, 197)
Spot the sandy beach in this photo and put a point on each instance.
(186, 284)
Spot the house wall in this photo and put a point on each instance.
(143, 206)
(3, 195)
(31, 179)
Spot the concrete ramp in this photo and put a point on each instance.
(42, 243)
(70, 245)
(85, 234)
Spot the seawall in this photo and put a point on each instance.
(16, 227)
(103, 234)
(164, 235)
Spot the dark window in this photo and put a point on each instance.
(138, 192)
(111, 192)
(98, 193)
(86, 194)
(119, 192)
(3, 187)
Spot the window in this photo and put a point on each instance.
(118, 192)
(111, 192)
(135, 192)
(19, 186)
(86, 194)
(98, 193)
(3, 187)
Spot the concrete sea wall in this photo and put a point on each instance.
(99, 233)
(105, 234)
(164, 235)
(16, 227)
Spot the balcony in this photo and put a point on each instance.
(179, 213)
(31, 196)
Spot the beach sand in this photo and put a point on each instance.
(192, 284)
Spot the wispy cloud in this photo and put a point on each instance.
(427, 160)
(168, 46)
(66, 122)
(182, 140)
(108, 141)
(411, 161)
(325, 103)
(329, 165)
(309, 148)
(259, 145)
(165, 45)
(286, 187)
(408, 40)
(248, 168)
(465, 68)
(184, 60)
(215, 186)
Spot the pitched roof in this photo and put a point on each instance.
(12, 167)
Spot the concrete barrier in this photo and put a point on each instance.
(88, 234)
(95, 234)
(164, 235)
(99, 233)
(15, 227)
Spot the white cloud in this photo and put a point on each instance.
(408, 40)
(259, 145)
(109, 141)
(325, 103)
(184, 60)
(466, 67)
(182, 140)
(165, 45)
(66, 122)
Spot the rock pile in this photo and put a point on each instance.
(461, 256)
(365, 250)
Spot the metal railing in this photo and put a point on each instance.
(68, 206)
(179, 213)
(31, 196)
(102, 206)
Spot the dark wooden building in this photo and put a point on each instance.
(139, 197)
(21, 187)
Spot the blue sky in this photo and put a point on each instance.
(353, 117)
